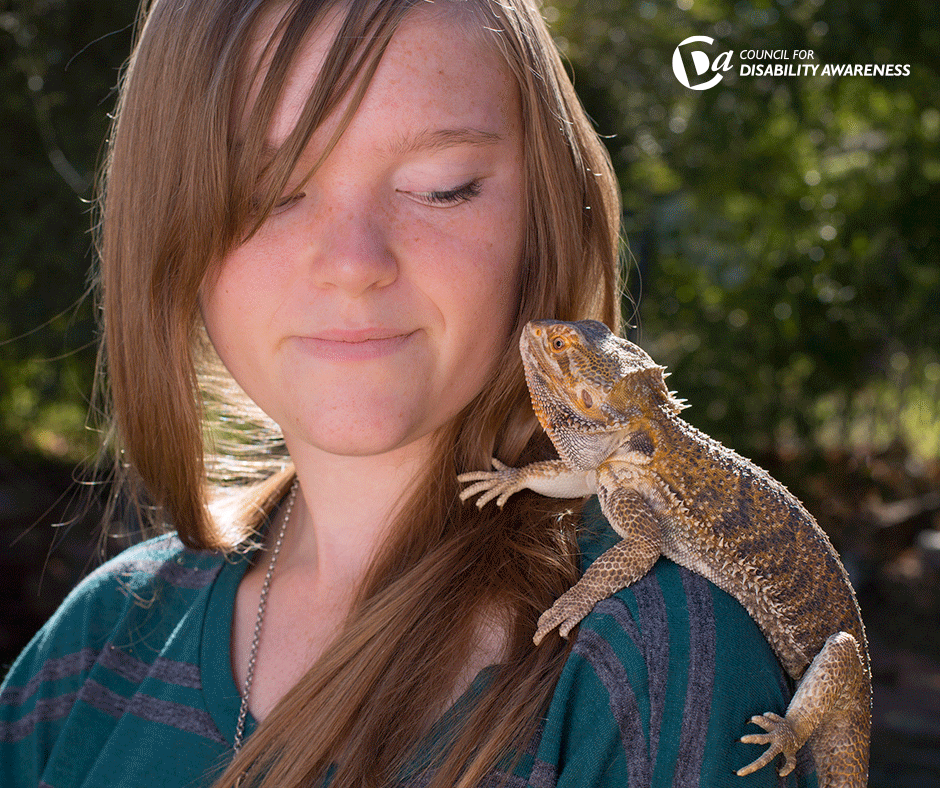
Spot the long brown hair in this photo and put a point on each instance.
(181, 189)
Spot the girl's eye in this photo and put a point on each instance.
(286, 202)
(456, 196)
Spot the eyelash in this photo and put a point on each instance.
(287, 202)
(456, 196)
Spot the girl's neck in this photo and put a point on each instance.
(345, 507)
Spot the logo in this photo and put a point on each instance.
(766, 63)
(701, 63)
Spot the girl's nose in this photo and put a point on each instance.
(351, 250)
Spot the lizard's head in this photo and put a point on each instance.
(589, 387)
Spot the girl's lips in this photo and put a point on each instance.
(353, 345)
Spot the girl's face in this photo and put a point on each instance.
(369, 310)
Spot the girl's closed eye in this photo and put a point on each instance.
(445, 198)
(287, 201)
(282, 204)
(449, 197)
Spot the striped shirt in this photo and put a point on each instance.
(130, 683)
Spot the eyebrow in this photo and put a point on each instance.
(439, 139)
(426, 140)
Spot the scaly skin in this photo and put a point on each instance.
(670, 490)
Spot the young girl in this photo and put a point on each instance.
(328, 222)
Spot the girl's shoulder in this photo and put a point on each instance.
(143, 588)
(121, 661)
(663, 678)
(161, 560)
(151, 572)
(668, 605)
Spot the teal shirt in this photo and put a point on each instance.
(130, 683)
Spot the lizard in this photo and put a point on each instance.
(668, 489)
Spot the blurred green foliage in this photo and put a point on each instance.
(783, 230)
(60, 61)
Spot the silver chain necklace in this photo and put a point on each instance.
(259, 619)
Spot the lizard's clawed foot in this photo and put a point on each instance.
(499, 484)
(565, 614)
(781, 739)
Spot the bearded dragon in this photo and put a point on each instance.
(670, 490)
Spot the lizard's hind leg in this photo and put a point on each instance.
(831, 710)
(840, 750)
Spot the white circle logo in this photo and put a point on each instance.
(700, 62)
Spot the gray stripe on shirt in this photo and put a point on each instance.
(182, 674)
(175, 572)
(651, 637)
(543, 775)
(654, 624)
(176, 715)
(698, 698)
(45, 710)
(179, 575)
(52, 670)
(612, 674)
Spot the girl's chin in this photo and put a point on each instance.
(353, 440)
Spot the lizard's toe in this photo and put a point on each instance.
(547, 622)
(781, 739)
(565, 614)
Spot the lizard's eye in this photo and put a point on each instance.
(587, 399)
(558, 343)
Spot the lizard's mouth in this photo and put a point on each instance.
(532, 345)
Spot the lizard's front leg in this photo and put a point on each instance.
(553, 478)
(623, 564)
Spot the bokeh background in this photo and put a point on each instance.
(784, 262)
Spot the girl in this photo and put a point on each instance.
(329, 221)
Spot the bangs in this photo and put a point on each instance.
(260, 170)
